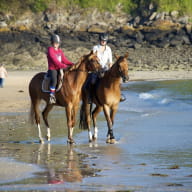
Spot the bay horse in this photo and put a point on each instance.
(68, 96)
(106, 97)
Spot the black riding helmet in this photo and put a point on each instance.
(55, 39)
(103, 37)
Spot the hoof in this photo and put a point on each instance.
(41, 141)
(112, 141)
(48, 139)
(108, 140)
(70, 141)
(94, 138)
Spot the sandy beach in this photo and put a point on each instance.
(15, 98)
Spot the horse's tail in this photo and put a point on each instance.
(82, 119)
(31, 114)
(85, 111)
(35, 91)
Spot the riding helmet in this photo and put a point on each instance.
(55, 39)
(103, 37)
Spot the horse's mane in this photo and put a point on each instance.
(75, 66)
(118, 60)
(115, 63)
(113, 70)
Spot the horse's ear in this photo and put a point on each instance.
(91, 52)
(116, 56)
(126, 55)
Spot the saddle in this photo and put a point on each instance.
(46, 82)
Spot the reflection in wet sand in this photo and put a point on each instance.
(59, 172)
(60, 164)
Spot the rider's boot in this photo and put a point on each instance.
(52, 98)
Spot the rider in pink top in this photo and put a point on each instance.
(56, 61)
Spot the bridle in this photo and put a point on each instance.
(120, 71)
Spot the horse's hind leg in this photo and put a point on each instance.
(95, 112)
(45, 115)
(35, 105)
(88, 121)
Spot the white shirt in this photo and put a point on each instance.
(105, 58)
(3, 72)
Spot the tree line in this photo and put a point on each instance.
(184, 7)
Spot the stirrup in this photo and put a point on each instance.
(52, 99)
(123, 98)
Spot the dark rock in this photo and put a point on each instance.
(137, 45)
(156, 41)
(139, 37)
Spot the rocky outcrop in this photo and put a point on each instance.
(156, 41)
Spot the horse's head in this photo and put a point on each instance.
(92, 62)
(123, 66)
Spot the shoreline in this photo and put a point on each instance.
(15, 98)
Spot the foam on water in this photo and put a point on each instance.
(146, 96)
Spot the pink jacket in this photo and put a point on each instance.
(57, 59)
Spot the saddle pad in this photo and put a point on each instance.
(46, 84)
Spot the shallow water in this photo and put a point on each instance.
(153, 129)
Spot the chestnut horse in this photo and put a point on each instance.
(106, 97)
(69, 95)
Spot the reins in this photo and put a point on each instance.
(76, 68)
(86, 71)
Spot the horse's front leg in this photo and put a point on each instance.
(69, 114)
(74, 113)
(95, 112)
(110, 136)
(88, 120)
(73, 117)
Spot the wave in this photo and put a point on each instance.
(146, 96)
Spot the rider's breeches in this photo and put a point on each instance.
(53, 80)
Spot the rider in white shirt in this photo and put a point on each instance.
(104, 52)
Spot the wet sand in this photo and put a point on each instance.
(11, 170)
(15, 98)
